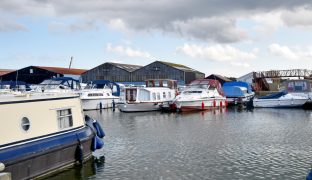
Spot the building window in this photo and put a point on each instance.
(154, 96)
(25, 123)
(164, 95)
(64, 118)
(31, 71)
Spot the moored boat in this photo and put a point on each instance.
(98, 95)
(237, 92)
(280, 100)
(149, 98)
(200, 94)
(42, 133)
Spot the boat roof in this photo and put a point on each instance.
(24, 97)
(239, 84)
(274, 96)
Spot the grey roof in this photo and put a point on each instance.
(220, 77)
(180, 67)
(127, 67)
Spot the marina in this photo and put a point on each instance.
(213, 144)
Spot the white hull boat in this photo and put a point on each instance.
(139, 107)
(280, 100)
(92, 99)
(149, 98)
(200, 95)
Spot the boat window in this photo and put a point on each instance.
(95, 94)
(107, 94)
(25, 123)
(154, 96)
(169, 94)
(192, 92)
(211, 88)
(64, 118)
(158, 96)
(131, 94)
(164, 95)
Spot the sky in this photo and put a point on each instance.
(226, 37)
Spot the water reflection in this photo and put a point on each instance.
(234, 143)
(88, 169)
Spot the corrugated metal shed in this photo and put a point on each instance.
(127, 67)
(179, 66)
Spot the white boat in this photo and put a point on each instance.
(200, 94)
(280, 100)
(43, 132)
(97, 98)
(149, 98)
(59, 85)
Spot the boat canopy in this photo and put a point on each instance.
(100, 84)
(234, 91)
(65, 81)
(274, 96)
(239, 84)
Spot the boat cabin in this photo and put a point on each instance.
(101, 84)
(209, 84)
(168, 83)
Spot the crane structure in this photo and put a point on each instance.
(262, 85)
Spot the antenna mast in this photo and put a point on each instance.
(70, 63)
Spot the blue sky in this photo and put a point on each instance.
(228, 38)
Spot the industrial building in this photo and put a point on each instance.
(167, 70)
(110, 71)
(36, 74)
(134, 73)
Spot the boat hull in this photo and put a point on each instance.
(200, 104)
(43, 155)
(238, 100)
(93, 104)
(139, 107)
(279, 103)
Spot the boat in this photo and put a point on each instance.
(149, 98)
(280, 100)
(42, 133)
(237, 92)
(59, 84)
(200, 94)
(99, 95)
(8, 86)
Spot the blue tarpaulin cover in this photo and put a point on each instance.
(232, 89)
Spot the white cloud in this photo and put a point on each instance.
(128, 51)
(221, 53)
(239, 64)
(286, 52)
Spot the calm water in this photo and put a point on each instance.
(258, 144)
